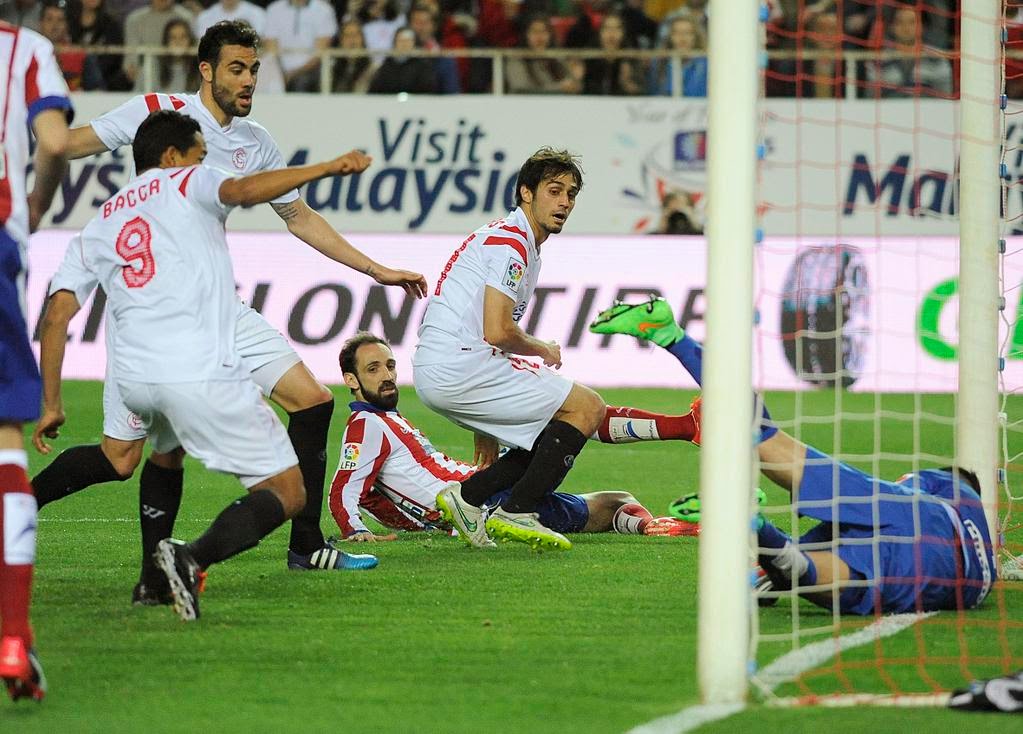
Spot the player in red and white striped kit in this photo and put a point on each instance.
(34, 100)
(389, 470)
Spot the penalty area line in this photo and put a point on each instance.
(784, 669)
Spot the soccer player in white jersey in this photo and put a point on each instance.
(390, 470)
(159, 249)
(469, 366)
(229, 64)
(34, 99)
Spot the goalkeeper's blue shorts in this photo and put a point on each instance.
(923, 542)
(565, 513)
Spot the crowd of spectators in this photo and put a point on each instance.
(905, 47)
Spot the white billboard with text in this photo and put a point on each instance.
(443, 165)
(892, 326)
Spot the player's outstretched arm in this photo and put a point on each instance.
(316, 232)
(259, 188)
(50, 128)
(84, 143)
(60, 309)
(501, 331)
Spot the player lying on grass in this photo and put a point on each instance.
(918, 544)
(158, 248)
(390, 471)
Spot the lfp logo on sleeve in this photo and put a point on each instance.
(350, 456)
(513, 276)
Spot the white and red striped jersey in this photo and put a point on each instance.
(502, 255)
(159, 250)
(243, 147)
(30, 82)
(383, 454)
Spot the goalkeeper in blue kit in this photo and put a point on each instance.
(918, 544)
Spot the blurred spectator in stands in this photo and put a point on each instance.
(678, 214)
(695, 10)
(296, 30)
(402, 73)
(144, 27)
(499, 23)
(456, 28)
(583, 32)
(812, 77)
(178, 72)
(252, 14)
(380, 20)
(659, 9)
(80, 70)
(639, 26)
(611, 74)
(90, 24)
(422, 19)
(686, 37)
(542, 74)
(25, 13)
(352, 74)
(918, 73)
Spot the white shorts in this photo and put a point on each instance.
(265, 353)
(225, 424)
(509, 398)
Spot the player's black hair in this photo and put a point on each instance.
(545, 164)
(161, 130)
(347, 356)
(965, 475)
(226, 33)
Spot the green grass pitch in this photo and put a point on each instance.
(439, 638)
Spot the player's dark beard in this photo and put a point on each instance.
(384, 402)
(223, 99)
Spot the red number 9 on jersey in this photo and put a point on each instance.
(134, 243)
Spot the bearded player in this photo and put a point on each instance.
(389, 470)
(229, 64)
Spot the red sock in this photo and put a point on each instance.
(627, 425)
(17, 552)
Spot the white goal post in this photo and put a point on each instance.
(726, 461)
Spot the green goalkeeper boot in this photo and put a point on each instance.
(651, 320)
(687, 507)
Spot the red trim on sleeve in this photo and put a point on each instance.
(184, 182)
(32, 82)
(152, 102)
(511, 242)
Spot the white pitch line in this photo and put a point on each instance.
(689, 718)
(57, 520)
(782, 670)
(793, 664)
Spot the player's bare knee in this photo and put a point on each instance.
(591, 409)
(298, 390)
(124, 456)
